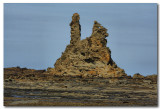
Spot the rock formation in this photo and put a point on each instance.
(138, 76)
(75, 29)
(89, 57)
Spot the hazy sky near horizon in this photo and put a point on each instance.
(35, 35)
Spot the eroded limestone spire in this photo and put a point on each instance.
(98, 29)
(75, 29)
(99, 34)
(89, 57)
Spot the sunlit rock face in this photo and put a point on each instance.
(89, 57)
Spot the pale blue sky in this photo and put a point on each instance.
(35, 35)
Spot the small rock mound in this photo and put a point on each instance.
(138, 76)
(89, 57)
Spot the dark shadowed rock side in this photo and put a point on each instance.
(89, 57)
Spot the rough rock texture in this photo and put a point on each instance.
(89, 57)
(17, 73)
(75, 29)
(138, 76)
(22, 85)
(153, 78)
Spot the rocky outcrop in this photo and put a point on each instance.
(89, 57)
(17, 73)
(138, 76)
(75, 29)
(153, 78)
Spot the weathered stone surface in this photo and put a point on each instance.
(75, 29)
(138, 76)
(153, 78)
(17, 73)
(89, 57)
(98, 91)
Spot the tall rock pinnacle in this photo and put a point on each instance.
(89, 57)
(75, 29)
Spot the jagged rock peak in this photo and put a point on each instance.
(88, 57)
(75, 29)
(98, 29)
